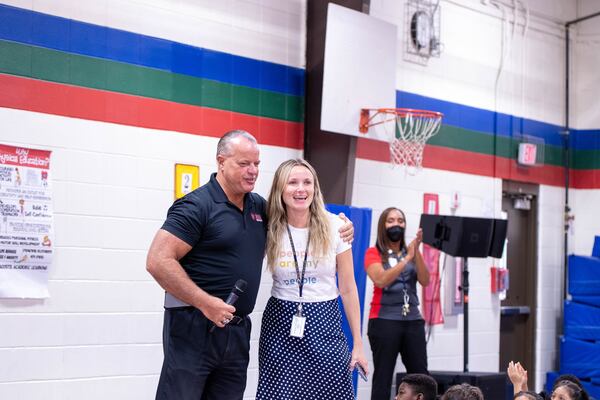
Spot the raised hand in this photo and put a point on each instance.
(419, 238)
(518, 376)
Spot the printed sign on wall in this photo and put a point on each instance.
(187, 179)
(26, 234)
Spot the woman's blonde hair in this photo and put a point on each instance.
(318, 223)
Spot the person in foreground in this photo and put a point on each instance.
(212, 237)
(464, 391)
(395, 323)
(417, 387)
(527, 395)
(566, 386)
(303, 353)
(568, 390)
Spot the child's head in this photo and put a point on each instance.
(417, 387)
(464, 391)
(527, 395)
(568, 390)
(567, 377)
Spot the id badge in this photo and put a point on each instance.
(297, 329)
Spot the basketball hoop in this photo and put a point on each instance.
(407, 135)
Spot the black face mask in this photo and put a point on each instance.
(395, 233)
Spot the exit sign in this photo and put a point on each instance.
(527, 153)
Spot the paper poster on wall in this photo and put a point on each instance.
(432, 310)
(26, 232)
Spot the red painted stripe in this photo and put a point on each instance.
(78, 102)
(449, 159)
(488, 165)
(585, 178)
(372, 150)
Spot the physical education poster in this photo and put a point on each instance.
(26, 234)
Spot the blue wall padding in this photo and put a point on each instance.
(579, 358)
(550, 378)
(589, 300)
(592, 389)
(584, 275)
(596, 249)
(581, 321)
(361, 218)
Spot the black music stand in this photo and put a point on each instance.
(465, 237)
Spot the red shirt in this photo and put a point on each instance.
(387, 302)
(372, 256)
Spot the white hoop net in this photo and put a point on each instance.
(410, 132)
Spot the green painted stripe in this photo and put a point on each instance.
(464, 139)
(553, 155)
(57, 66)
(483, 143)
(15, 59)
(585, 159)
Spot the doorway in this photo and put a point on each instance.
(518, 309)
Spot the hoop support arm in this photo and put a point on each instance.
(366, 118)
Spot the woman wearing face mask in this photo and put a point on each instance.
(395, 322)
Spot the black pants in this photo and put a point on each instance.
(198, 364)
(387, 339)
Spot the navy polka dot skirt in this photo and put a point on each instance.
(314, 367)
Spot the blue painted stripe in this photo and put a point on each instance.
(490, 122)
(34, 28)
(586, 139)
(481, 120)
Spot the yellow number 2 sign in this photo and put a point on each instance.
(187, 178)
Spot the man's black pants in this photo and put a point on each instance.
(198, 364)
(387, 339)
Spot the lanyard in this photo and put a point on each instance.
(400, 278)
(402, 281)
(300, 278)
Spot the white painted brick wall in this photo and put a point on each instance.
(471, 36)
(586, 59)
(586, 224)
(549, 281)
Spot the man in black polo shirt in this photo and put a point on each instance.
(211, 238)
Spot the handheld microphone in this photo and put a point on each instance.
(236, 292)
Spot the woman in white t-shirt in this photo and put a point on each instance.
(303, 353)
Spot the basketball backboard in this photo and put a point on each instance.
(359, 70)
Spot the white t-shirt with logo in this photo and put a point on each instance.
(320, 276)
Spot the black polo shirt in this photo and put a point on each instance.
(227, 244)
